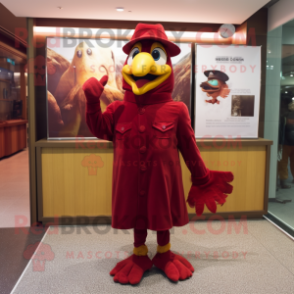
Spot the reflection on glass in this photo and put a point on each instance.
(281, 206)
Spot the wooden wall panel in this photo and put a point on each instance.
(71, 189)
(257, 36)
(2, 143)
(13, 137)
(23, 136)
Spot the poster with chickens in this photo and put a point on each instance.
(70, 62)
(227, 91)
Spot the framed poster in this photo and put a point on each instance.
(227, 91)
(70, 62)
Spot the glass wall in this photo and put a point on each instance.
(279, 124)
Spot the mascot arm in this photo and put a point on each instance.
(100, 124)
(208, 187)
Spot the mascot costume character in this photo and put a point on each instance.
(215, 86)
(148, 130)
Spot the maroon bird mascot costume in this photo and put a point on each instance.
(148, 130)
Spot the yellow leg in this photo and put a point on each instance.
(141, 250)
(163, 249)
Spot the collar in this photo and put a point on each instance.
(147, 98)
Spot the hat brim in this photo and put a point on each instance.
(221, 73)
(171, 47)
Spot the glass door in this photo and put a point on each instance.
(279, 124)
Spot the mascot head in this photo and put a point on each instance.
(148, 67)
(215, 84)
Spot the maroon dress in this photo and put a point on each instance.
(148, 132)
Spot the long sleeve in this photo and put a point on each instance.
(188, 148)
(100, 124)
(208, 187)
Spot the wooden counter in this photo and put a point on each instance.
(69, 183)
(2, 141)
(13, 136)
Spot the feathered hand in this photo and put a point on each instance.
(212, 193)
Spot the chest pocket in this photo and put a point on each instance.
(164, 129)
(122, 130)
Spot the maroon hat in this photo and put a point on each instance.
(216, 74)
(152, 32)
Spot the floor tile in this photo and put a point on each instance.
(14, 188)
(12, 246)
(270, 237)
(246, 267)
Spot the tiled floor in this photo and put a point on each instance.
(13, 244)
(257, 259)
(14, 190)
(14, 202)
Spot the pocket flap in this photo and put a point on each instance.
(123, 127)
(163, 126)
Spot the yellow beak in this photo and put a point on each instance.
(144, 74)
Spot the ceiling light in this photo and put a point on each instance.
(286, 92)
(120, 9)
(291, 76)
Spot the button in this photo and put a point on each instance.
(142, 128)
(163, 127)
(142, 192)
(143, 167)
(143, 149)
(122, 128)
(142, 110)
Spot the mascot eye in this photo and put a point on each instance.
(159, 56)
(213, 82)
(79, 53)
(89, 51)
(132, 55)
